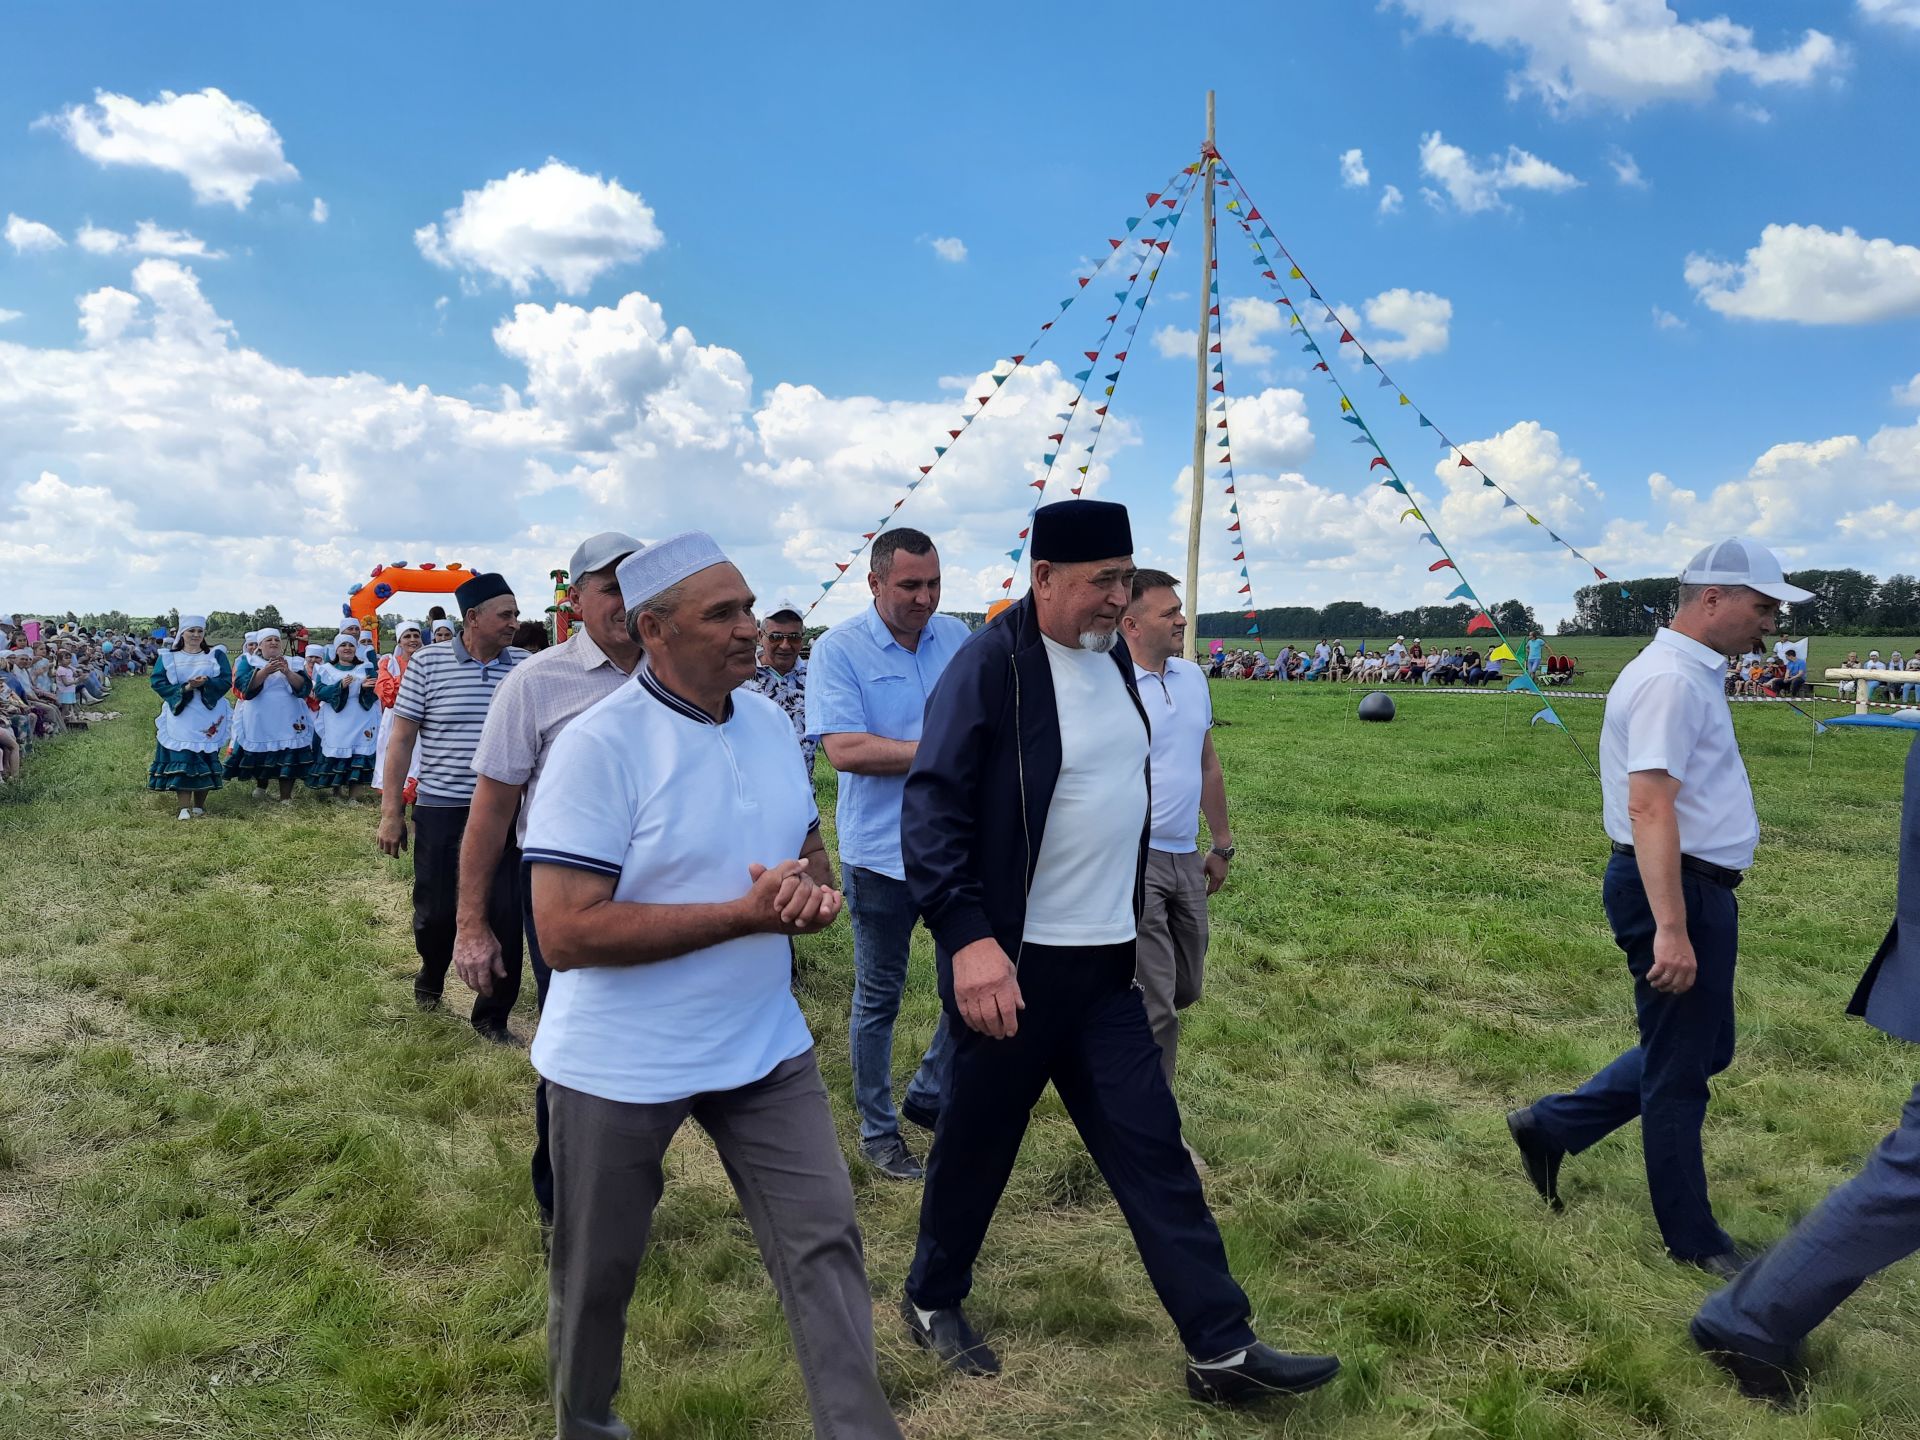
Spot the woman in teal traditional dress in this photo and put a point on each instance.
(191, 682)
(348, 720)
(279, 725)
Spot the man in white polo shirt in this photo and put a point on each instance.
(537, 700)
(674, 848)
(1680, 815)
(1171, 950)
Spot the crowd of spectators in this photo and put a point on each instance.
(1400, 663)
(48, 674)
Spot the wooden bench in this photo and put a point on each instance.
(1862, 677)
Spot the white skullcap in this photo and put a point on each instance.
(253, 637)
(443, 624)
(404, 626)
(193, 622)
(267, 634)
(647, 573)
(313, 651)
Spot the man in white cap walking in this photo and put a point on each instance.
(674, 849)
(537, 700)
(781, 675)
(1680, 815)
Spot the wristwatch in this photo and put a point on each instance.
(1225, 852)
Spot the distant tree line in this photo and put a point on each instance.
(1353, 618)
(1845, 602)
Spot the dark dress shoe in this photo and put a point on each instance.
(1538, 1156)
(1257, 1373)
(919, 1114)
(892, 1159)
(948, 1335)
(1781, 1386)
(1726, 1265)
(499, 1035)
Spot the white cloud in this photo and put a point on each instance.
(1626, 169)
(1667, 320)
(949, 248)
(554, 223)
(1812, 276)
(147, 239)
(224, 147)
(1390, 199)
(1244, 322)
(1420, 318)
(1756, 114)
(106, 313)
(1626, 53)
(1270, 430)
(1475, 186)
(7, 317)
(26, 235)
(1353, 170)
(1892, 12)
(1907, 394)
(319, 212)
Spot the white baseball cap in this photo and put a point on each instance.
(1743, 562)
(784, 607)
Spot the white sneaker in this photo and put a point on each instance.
(186, 813)
(286, 802)
(260, 792)
(198, 811)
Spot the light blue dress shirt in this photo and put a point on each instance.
(861, 680)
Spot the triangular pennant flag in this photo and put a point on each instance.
(1121, 355)
(1509, 504)
(1413, 511)
(1519, 682)
(1083, 374)
(1214, 349)
(1487, 484)
(1460, 592)
(1221, 387)
(1482, 621)
(1393, 483)
(1501, 652)
(1378, 460)
(1345, 404)
(1427, 537)
(1548, 716)
(1405, 401)
(1241, 556)
(1598, 573)
(939, 449)
(1346, 337)
(1443, 565)
(1294, 274)
(1426, 422)
(1233, 527)
(1048, 459)
(1533, 519)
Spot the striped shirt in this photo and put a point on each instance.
(533, 705)
(447, 693)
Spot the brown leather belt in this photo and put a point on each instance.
(1706, 870)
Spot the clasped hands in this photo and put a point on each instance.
(786, 900)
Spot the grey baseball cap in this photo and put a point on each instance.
(783, 607)
(597, 552)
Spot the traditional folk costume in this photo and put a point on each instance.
(192, 724)
(347, 719)
(237, 733)
(279, 725)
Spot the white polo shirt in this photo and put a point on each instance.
(650, 790)
(1180, 710)
(1668, 711)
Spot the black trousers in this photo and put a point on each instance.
(436, 892)
(542, 978)
(1085, 1029)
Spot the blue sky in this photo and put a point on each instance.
(260, 403)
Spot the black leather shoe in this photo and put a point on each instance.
(1781, 1386)
(892, 1159)
(1540, 1158)
(1726, 1265)
(426, 1000)
(1256, 1373)
(948, 1335)
(919, 1114)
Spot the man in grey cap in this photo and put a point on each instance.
(781, 675)
(1680, 816)
(674, 849)
(532, 706)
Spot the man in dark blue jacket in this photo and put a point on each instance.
(1754, 1327)
(1024, 835)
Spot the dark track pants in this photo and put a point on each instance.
(1685, 1040)
(436, 892)
(1085, 1029)
(542, 1137)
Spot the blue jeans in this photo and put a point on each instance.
(1685, 1040)
(1861, 1228)
(883, 916)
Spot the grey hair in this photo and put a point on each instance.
(661, 607)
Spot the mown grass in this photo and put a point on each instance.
(247, 1191)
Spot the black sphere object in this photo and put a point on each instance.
(1377, 706)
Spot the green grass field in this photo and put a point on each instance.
(247, 1191)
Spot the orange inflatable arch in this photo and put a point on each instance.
(364, 600)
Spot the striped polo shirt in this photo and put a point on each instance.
(447, 693)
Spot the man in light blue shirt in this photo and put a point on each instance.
(1536, 652)
(867, 688)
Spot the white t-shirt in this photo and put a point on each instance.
(1082, 892)
(1668, 711)
(648, 789)
(1180, 709)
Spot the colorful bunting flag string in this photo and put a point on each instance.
(1003, 370)
(1129, 308)
(1220, 458)
(1247, 214)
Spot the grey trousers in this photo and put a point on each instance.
(1170, 955)
(776, 1139)
(1861, 1228)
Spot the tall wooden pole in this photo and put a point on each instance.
(1200, 390)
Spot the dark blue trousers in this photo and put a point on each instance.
(1861, 1228)
(542, 978)
(1685, 1040)
(1085, 1029)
